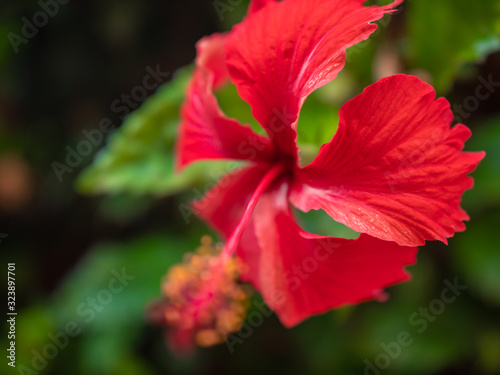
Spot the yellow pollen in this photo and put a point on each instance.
(208, 337)
(203, 294)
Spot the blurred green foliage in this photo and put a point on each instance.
(449, 40)
(139, 158)
(445, 35)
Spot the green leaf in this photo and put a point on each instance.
(318, 119)
(139, 158)
(486, 191)
(146, 260)
(434, 342)
(33, 328)
(319, 222)
(235, 107)
(478, 257)
(446, 34)
(489, 344)
(110, 310)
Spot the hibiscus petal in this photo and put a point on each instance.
(301, 274)
(256, 5)
(394, 169)
(205, 132)
(282, 53)
(223, 207)
(210, 55)
(224, 204)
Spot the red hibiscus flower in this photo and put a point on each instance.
(394, 170)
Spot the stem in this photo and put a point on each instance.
(268, 178)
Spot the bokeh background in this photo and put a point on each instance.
(70, 229)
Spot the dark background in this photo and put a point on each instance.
(65, 242)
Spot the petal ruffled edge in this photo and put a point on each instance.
(394, 169)
(204, 131)
(301, 274)
(256, 5)
(283, 52)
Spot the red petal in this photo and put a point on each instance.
(181, 342)
(394, 169)
(282, 53)
(302, 274)
(205, 132)
(210, 55)
(223, 207)
(224, 204)
(256, 5)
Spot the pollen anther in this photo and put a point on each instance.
(202, 296)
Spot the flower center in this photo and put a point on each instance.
(203, 301)
(268, 179)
